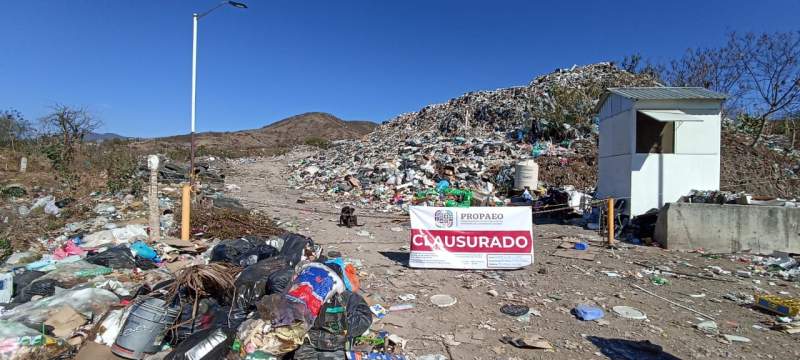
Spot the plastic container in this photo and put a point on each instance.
(6, 287)
(145, 328)
(526, 175)
(588, 313)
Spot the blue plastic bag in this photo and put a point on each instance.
(442, 186)
(144, 251)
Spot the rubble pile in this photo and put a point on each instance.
(474, 140)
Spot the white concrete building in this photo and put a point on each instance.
(657, 144)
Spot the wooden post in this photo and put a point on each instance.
(186, 208)
(610, 220)
(155, 212)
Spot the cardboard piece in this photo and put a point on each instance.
(94, 351)
(173, 267)
(177, 243)
(65, 320)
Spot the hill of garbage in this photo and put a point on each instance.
(476, 138)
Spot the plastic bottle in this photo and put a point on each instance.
(6, 287)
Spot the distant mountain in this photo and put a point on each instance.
(317, 124)
(281, 134)
(100, 137)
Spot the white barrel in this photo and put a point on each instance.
(526, 175)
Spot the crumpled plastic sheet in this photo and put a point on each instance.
(281, 310)
(86, 301)
(11, 333)
(65, 273)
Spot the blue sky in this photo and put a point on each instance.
(129, 61)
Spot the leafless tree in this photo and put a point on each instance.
(770, 65)
(13, 128)
(636, 64)
(712, 68)
(70, 125)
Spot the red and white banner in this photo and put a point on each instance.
(471, 238)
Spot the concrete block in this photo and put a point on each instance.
(729, 228)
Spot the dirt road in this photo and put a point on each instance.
(472, 328)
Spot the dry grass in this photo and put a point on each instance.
(229, 224)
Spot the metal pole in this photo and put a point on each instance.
(186, 208)
(610, 202)
(194, 91)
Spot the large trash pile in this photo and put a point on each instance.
(473, 142)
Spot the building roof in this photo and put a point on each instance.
(660, 93)
(667, 93)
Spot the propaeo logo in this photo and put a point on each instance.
(444, 218)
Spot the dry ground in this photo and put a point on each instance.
(471, 329)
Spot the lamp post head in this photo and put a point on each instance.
(237, 4)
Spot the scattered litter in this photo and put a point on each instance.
(588, 254)
(432, 357)
(443, 300)
(401, 307)
(709, 327)
(378, 310)
(363, 233)
(629, 312)
(740, 298)
(777, 304)
(671, 302)
(735, 338)
(514, 310)
(658, 280)
(530, 341)
(407, 297)
(587, 312)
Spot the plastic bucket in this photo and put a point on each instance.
(144, 330)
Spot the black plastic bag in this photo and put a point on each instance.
(242, 252)
(278, 282)
(208, 344)
(251, 285)
(294, 246)
(46, 287)
(25, 279)
(204, 319)
(117, 257)
(359, 316)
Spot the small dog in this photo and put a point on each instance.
(347, 217)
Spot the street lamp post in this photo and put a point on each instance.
(195, 18)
